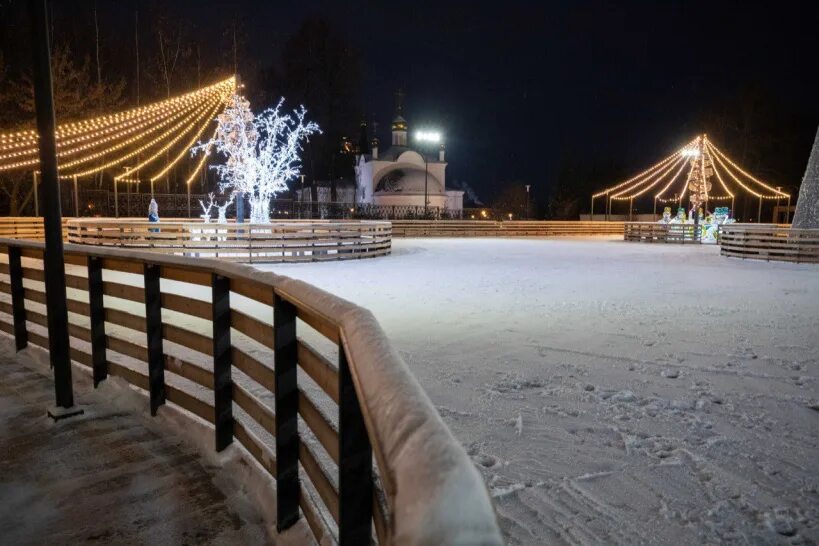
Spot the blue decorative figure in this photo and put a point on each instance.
(153, 215)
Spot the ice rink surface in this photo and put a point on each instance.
(612, 392)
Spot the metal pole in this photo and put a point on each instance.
(591, 215)
(36, 199)
(630, 208)
(189, 199)
(759, 212)
(76, 198)
(733, 209)
(789, 211)
(655, 208)
(426, 176)
(53, 256)
(116, 199)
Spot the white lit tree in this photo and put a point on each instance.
(262, 152)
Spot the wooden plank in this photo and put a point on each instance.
(263, 455)
(126, 348)
(187, 338)
(255, 408)
(252, 328)
(123, 291)
(256, 291)
(319, 369)
(189, 371)
(133, 377)
(189, 306)
(261, 374)
(123, 318)
(123, 265)
(320, 480)
(320, 425)
(187, 275)
(314, 520)
(189, 402)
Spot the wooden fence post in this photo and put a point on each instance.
(153, 323)
(355, 476)
(222, 382)
(287, 401)
(97, 316)
(18, 294)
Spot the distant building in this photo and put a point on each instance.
(395, 176)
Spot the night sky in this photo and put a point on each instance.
(518, 87)
(515, 86)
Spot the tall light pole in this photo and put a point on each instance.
(54, 261)
(527, 202)
(426, 138)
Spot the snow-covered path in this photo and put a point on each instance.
(612, 392)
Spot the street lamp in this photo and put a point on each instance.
(428, 138)
(527, 201)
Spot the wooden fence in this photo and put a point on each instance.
(769, 242)
(653, 232)
(291, 241)
(492, 228)
(304, 381)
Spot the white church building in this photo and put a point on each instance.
(396, 176)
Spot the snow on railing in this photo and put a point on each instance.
(202, 333)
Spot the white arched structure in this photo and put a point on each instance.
(396, 177)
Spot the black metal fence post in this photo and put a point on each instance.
(97, 316)
(53, 259)
(222, 382)
(153, 323)
(18, 294)
(355, 468)
(287, 402)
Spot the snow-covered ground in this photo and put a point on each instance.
(612, 392)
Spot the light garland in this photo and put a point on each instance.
(207, 113)
(112, 128)
(123, 127)
(716, 172)
(202, 161)
(618, 196)
(777, 193)
(646, 172)
(152, 127)
(150, 144)
(704, 157)
(736, 179)
(186, 150)
(670, 182)
(80, 126)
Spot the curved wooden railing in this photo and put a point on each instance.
(653, 232)
(769, 242)
(492, 228)
(306, 382)
(290, 241)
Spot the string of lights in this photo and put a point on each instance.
(716, 172)
(186, 149)
(646, 172)
(115, 131)
(29, 137)
(620, 197)
(703, 160)
(151, 126)
(777, 193)
(189, 120)
(202, 160)
(207, 115)
(671, 182)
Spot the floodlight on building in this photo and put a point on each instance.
(428, 136)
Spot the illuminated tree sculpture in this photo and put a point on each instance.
(262, 152)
